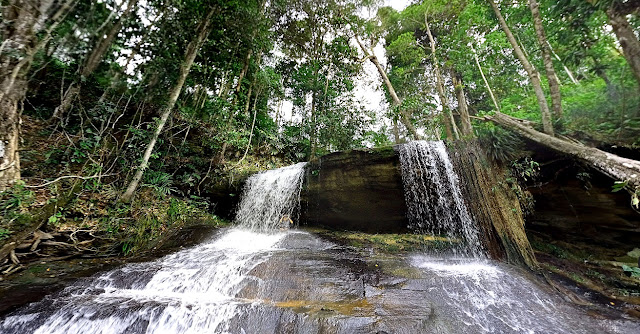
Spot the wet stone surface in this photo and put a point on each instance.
(296, 282)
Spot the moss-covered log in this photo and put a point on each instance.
(616, 167)
(494, 206)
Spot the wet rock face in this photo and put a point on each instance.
(355, 190)
(581, 205)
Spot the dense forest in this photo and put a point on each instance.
(112, 111)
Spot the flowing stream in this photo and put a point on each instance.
(259, 278)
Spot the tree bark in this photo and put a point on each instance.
(616, 167)
(405, 118)
(465, 120)
(534, 76)
(566, 69)
(628, 40)
(396, 131)
(552, 78)
(192, 50)
(447, 116)
(91, 63)
(21, 21)
(253, 125)
(486, 83)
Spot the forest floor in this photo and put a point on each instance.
(80, 220)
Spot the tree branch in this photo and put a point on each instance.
(69, 177)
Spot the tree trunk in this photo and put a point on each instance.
(486, 83)
(225, 145)
(405, 118)
(628, 40)
(91, 63)
(21, 21)
(192, 50)
(566, 69)
(552, 78)
(534, 76)
(616, 167)
(465, 120)
(247, 61)
(447, 116)
(9, 137)
(396, 131)
(253, 125)
(313, 135)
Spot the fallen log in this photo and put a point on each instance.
(618, 168)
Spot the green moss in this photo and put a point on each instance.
(389, 243)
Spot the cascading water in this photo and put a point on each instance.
(192, 291)
(434, 200)
(248, 282)
(269, 196)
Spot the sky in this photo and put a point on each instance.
(369, 89)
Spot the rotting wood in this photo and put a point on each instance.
(614, 166)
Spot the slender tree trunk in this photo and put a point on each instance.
(405, 118)
(612, 92)
(192, 50)
(566, 69)
(628, 40)
(465, 120)
(225, 145)
(449, 122)
(534, 76)
(91, 62)
(313, 135)
(552, 78)
(486, 83)
(21, 22)
(247, 61)
(396, 131)
(253, 125)
(614, 166)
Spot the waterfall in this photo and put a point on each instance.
(434, 200)
(197, 290)
(269, 196)
(245, 281)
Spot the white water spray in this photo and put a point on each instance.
(434, 200)
(269, 196)
(192, 291)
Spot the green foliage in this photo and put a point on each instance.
(161, 182)
(501, 145)
(55, 218)
(16, 201)
(526, 169)
(619, 185)
(631, 271)
(4, 233)
(378, 138)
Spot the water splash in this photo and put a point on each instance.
(269, 196)
(192, 291)
(433, 196)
